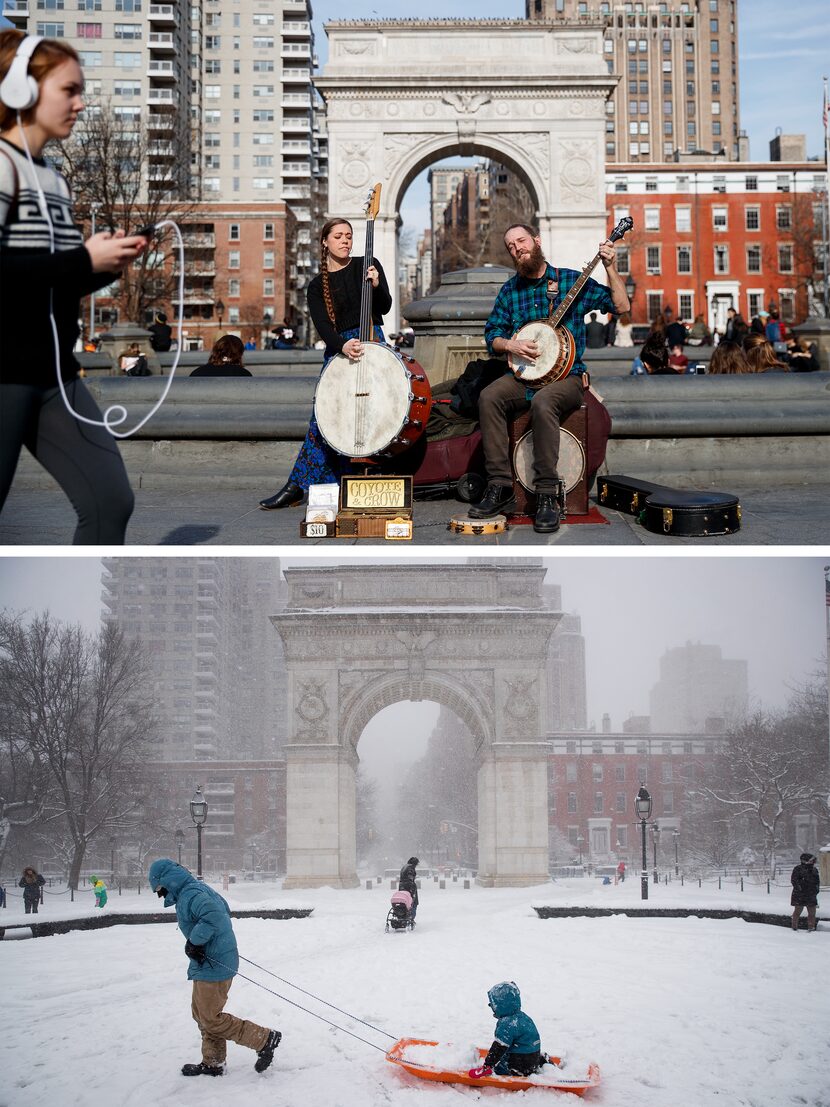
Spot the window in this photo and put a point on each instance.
(654, 305)
(652, 259)
(263, 161)
(213, 42)
(652, 219)
(721, 259)
(787, 299)
(571, 803)
(127, 31)
(623, 260)
(620, 184)
(263, 183)
(668, 803)
(263, 42)
(263, 91)
(213, 66)
(785, 258)
(90, 58)
(685, 305)
(211, 138)
(128, 5)
(234, 232)
(268, 232)
(570, 773)
(89, 5)
(619, 773)
(264, 115)
(620, 802)
(596, 773)
(720, 218)
(753, 259)
(263, 65)
(268, 259)
(50, 30)
(666, 772)
(622, 837)
(212, 116)
(598, 803)
(233, 259)
(89, 30)
(570, 747)
(753, 218)
(782, 183)
(755, 300)
(682, 183)
(684, 261)
(126, 88)
(213, 92)
(263, 138)
(210, 184)
(262, 20)
(211, 161)
(125, 59)
(719, 184)
(651, 186)
(784, 217)
(233, 286)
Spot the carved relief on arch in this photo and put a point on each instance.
(311, 710)
(520, 705)
(578, 172)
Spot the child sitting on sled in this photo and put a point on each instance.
(515, 1049)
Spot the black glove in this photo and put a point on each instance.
(196, 953)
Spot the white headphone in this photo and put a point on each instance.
(19, 90)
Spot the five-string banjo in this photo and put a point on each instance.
(377, 404)
(555, 342)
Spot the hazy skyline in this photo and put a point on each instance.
(766, 610)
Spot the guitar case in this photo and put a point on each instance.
(665, 510)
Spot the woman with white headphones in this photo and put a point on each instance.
(45, 269)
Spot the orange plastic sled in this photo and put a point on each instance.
(557, 1081)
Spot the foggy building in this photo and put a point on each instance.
(218, 671)
(696, 684)
(567, 689)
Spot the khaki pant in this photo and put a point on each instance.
(811, 916)
(218, 1027)
(550, 405)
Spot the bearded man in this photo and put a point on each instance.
(523, 299)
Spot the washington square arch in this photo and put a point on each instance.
(402, 94)
(471, 637)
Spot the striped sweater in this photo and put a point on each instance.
(28, 270)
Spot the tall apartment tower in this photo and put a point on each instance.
(567, 688)
(218, 672)
(697, 685)
(678, 67)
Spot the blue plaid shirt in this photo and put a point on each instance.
(522, 301)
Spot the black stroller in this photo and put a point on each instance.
(400, 916)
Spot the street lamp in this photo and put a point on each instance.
(676, 834)
(113, 844)
(198, 813)
(655, 831)
(579, 843)
(220, 311)
(93, 208)
(630, 289)
(179, 841)
(642, 808)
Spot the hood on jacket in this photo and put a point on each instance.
(505, 999)
(165, 873)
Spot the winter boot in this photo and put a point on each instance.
(266, 1055)
(203, 1070)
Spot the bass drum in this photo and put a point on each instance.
(556, 354)
(375, 406)
(571, 460)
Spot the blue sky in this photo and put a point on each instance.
(783, 55)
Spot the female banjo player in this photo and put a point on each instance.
(334, 305)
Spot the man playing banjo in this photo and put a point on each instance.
(524, 298)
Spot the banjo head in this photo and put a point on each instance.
(361, 406)
(571, 460)
(546, 338)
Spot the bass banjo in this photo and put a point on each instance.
(556, 343)
(378, 404)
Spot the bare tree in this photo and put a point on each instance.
(23, 785)
(82, 706)
(112, 165)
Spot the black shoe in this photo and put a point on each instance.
(203, 1070)
(546, 520)
(290, 495)
(266, 1055)
(496, 499)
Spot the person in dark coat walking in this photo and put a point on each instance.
(31, 882)
(205, 920)
(408, 883)
(805, 882)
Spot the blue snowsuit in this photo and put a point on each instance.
(203, 917)
(516, 1042)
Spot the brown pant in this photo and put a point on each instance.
(548, 408)
(218, 1027)
(811, 916)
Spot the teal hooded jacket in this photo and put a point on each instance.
(514, 1028)
(203, 917)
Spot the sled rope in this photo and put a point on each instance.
(314, 1014)
(340, 1010)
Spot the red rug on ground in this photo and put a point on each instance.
(594, 516)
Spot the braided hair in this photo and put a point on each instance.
(328, 227)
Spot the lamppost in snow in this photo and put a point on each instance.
(642, 808)
(198, 813)
(676, 834)
(580, 841)
(655, 833)
(179, 841)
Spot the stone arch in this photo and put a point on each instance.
(359, 638)
(402, 93)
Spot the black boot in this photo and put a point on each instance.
(290, 495)
(203, 1070)
(266, 1055)
(496, 499)
(546, 520)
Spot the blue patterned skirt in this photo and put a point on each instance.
(318, 463)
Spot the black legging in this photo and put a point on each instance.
(84, 460)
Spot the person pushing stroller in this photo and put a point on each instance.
(408, 883)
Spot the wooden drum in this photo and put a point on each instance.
(571, 460)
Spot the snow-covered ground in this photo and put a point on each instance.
(676, 1012)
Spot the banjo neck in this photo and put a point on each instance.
(366, 329)
(556, 316)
